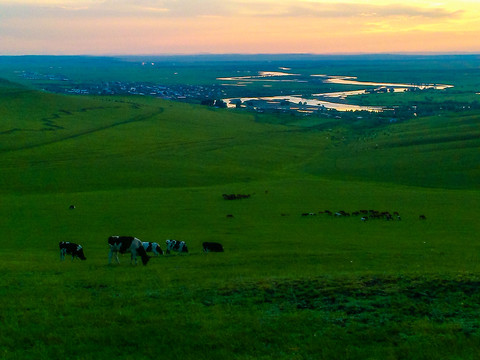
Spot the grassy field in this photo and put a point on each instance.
(288, 286)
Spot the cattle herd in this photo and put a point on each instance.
(235, 196)
(134, 246)
(364, 215)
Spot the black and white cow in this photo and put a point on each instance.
(69, 248)
(152, 247)
(212, 246)
(176, 245)
(122, 244)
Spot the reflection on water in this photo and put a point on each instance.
(283, 101)
(262, 76)
(314, 102)
(275, 73)
(349, 80)
(341, 94)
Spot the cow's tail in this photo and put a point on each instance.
(143, 254)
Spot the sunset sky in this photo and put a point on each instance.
(113, 27)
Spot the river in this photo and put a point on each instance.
(316, 100)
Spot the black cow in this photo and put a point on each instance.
(176, 245)
(69, 248)
(212, 246)
(122, 244)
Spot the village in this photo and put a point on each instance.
(58, 83)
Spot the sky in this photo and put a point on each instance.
(122, 27)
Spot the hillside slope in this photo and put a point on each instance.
(287, 286)
(51, 143)
(440, 151)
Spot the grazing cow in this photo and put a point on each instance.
(235, 196)
(123, 244)
(69, 248)
(176, 245)
(422, 217)
(152, 247)
(212, 246)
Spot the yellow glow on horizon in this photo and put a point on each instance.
(249, 26)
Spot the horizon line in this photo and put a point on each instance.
(403, 53)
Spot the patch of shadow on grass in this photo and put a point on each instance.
(372, 301)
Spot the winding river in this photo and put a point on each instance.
(317, 100)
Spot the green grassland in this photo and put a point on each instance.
(288, 286)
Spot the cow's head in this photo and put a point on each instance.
(112, 240)
(80, 253)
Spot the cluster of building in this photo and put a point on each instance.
(58, 83)
(33, 75)
(169, 92)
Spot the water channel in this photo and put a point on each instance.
(316, 101)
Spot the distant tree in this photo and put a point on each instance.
(220, 103)
(208, 102)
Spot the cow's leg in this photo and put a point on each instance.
(62, 255)
(133, 256)
(113, 253)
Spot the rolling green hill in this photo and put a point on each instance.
(440, 151)
(288, 286)
(83, 143)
